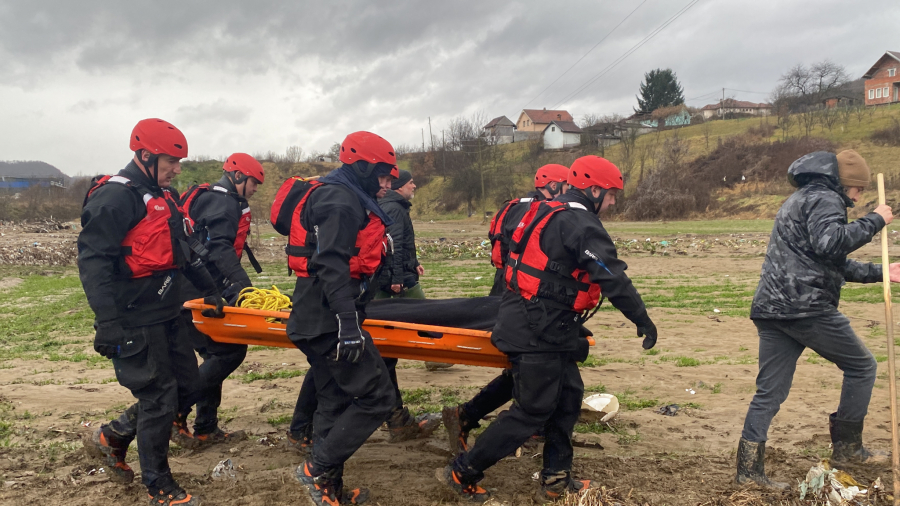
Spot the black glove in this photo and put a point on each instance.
(351, 341)
(648, 332)
(108, 339)
(214, 300)
(231, 293)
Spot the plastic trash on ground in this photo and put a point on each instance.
(224, 469)
(836, 487)
(606, 405)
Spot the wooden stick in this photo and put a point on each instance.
(889, 322)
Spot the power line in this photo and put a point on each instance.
(702, 96)
(628, 53)
(746, 91)
(585, 54)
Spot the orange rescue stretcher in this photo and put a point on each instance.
(393, 339)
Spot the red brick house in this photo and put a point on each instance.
(883, 80)
(536, 120)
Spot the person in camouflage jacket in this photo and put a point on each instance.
(796, 304)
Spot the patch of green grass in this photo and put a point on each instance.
(629, 401)
(279, 420)
(880, 358)
(445, 279)
(681, 361)
(652, 351)
(250, 377)
(594, 428)
(432, 400)
(594, 389)
(590, 361)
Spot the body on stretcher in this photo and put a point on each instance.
(393, 339)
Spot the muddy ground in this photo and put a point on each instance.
(647, 457)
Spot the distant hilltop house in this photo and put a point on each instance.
(674, 116)
(536, 120)
(561, 135)
(883, 81)
(500, 127)
(500, 130)
(15, 176)
(732, 106)
(847, 95)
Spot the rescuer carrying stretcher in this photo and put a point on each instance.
(560, 258)
(132, 251)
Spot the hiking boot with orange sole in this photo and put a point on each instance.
(182, 436)
(557, 490)
(458, 438)
(300, 441)
(419, 427)
(325, 490)
(175, 497)
(112, 454)
(469, 491)
(218, 436)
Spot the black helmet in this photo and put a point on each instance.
(818, 163)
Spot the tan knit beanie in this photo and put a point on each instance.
(853, 169)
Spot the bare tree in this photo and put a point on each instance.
(293, 154)
(807, 117)
(807, 86)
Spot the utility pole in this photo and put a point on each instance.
(444, 150)
(430, 136)
(483, 196)
(423, 140)
(722, 108)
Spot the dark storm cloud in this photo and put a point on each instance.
(309, 72)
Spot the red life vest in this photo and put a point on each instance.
(533, 275)
(243, 224)
(149, 247)
(369, 247)
(495, 232)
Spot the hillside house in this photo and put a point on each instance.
(732, 106)
(537, 120)
(883, 80)
(561, 134)
(500, 130)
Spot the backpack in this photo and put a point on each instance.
(288, 197)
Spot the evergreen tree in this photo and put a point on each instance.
(660, 88)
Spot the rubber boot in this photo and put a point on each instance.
(846, 444)
(751, 466)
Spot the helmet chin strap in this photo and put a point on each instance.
(597, 201)
(154, 159)
(551, 191)
(236, 179)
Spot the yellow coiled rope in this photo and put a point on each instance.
(261, 298)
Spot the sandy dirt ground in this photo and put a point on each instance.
(648, 458)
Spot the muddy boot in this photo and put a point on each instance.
(751, 466)
(166, 492)
(403, 427)
(458, 426)
(846, 443)
(327, 488)
(301, 441)
(437, 366)
(218, 436)
(180, 434)
(111, 451)
(555, 486)
(466, 489)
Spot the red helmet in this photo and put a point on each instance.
(159, 137)
(592, 170)
(369, 147)
(246, 165)
(549, 173)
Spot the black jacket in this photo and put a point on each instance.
(216, 216)
(514, 216)
(113, 295)
(806, 261)
(402, 267)
(573, 239)
(336, 214)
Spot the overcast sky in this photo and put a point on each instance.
(75, 76)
